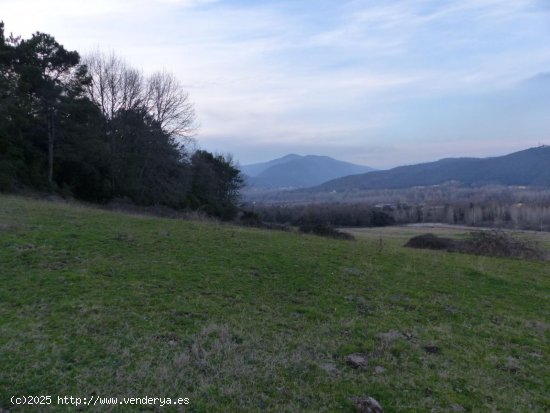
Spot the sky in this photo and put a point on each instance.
(374, 82)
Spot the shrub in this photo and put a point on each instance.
(250, 219)
(501, 244)
(325, 231)
(432, 242)
(489, 243)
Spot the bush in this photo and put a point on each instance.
(488, 243)
(502, 244)
(325, 231)
(432, 242)
(250, 219)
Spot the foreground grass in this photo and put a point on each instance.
(238, 319)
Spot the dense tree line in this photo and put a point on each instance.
(330, 214)
(489, 206)
(98, 129)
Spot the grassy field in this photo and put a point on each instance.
(246, 320)
(403, 233)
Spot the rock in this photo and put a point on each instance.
(408, 336)
(367, 405)
(513, 365)
(357, 360)
(379, 369)
(457, 408)
(390, 336)
(451, 310)
(353, 271)
(431, 349)
(329, 368)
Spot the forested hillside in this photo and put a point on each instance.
(530, 167)
(98, 129)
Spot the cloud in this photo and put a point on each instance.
(334, 76)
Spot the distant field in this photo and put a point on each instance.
(403, 233)
(246, 320)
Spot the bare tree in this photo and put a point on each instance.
(169, 104)
(115, 86)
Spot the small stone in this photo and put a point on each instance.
(357, 360)
(329, 368)
(353, 271)
(367, 405)
(431, 349)
(513, 365)
(457, 408)
(390, 336)
(379, 369)
(451, 310)
(408, 336)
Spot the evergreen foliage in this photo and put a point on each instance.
(97, 130)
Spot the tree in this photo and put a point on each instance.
(47, 72)
(115, 86)
(111, 132)
(215, 184)
(121, 91)
(150, 169)
(169, 104)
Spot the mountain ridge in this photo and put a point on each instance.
(529, 167)
(295, 171)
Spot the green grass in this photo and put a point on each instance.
(246, 320)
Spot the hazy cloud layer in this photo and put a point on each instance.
(374, 82)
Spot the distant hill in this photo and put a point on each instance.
(295, 171)
(255, 169)
(530, 167)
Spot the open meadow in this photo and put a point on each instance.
(97, 303)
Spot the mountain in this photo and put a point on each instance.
(255, 169)
(530, 167)
(295, 171)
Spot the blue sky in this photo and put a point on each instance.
(381, 83)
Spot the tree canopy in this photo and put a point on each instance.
(98, 129)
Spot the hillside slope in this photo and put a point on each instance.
(237, 319)
(528, 167)
(304, 171)
(255, 169)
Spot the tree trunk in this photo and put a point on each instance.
(51, 142)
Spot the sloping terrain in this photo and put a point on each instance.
(295, 171)
(236, 319)
(530, 167)
(255, 169)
